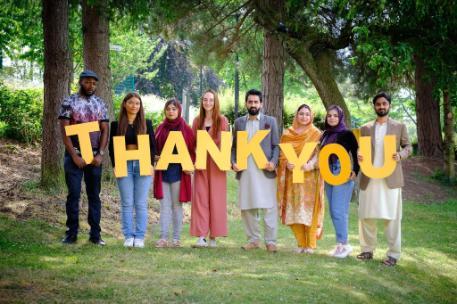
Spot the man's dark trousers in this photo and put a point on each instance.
(92, 178)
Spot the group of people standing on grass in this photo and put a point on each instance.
(264, 194)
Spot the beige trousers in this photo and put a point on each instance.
(392, 231)
(251, 219)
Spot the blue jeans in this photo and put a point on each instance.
(73, 178)
(134, 191)
(339, 198)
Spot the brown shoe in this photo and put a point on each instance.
(365, 256)
(389, 262)
(162, 243)
(250, 246)
(271, 248)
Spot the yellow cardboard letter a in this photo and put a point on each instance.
(121, 155)
(175, 138)
(82, 131)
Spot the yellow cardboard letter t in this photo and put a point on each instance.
(206, 145)
(245, 148)
(82, 131)
(345, 162)
(175, 138)
(389, 163)
(121, 155)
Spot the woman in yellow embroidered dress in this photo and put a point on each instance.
(301, 205)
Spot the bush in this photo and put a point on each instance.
(21, 114)
(229, 112)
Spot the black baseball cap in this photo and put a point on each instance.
(88, 73)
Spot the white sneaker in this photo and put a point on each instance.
(138, 243)
(201, 242)
(308, 250)
(343, 252)
(338, 248)
(299, 250)
(128, 242)
(212, 243)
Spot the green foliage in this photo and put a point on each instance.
(155, 117)
(386, 42)
(21, 34)
(135, 49)
(229, 112)
(21, 113)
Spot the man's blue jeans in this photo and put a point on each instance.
(339, 198)
(92, 178)
(134, 190)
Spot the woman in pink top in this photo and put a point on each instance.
(209, 199)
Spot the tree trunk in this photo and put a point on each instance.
(96, 47)
(319, 69)
(273, 69)
(95, 25)
(430, 143)
(56, 79)
(449, 142)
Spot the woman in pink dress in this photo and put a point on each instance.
(209, 199)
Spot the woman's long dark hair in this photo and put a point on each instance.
(139, 124)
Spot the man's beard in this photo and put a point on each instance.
(253, 111)
(84, 92)
(382, 113)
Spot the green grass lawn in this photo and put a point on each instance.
(35, 267)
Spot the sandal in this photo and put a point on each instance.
(390, 261)
(162, 243)
(365, 256)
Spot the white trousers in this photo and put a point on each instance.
(251, 220)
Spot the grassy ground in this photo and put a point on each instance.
(35, 267)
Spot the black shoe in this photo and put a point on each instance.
(69, 239)
(98, 241)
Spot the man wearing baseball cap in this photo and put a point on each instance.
(78, 108)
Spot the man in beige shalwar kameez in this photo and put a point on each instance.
(381, 198)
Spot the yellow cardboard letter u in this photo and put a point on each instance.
(389, 163)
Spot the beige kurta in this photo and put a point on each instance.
(255, 189)
(378, 201)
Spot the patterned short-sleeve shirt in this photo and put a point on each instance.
(78, 109)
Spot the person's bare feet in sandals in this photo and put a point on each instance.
(390, 261)
(365, 256)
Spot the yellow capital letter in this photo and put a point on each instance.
(389, 163)
(175, 138)
(82, 131)
(345, 162)
(244, 148)
(205, 144)
(298, 162)
(121, 155)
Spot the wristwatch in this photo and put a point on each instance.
(101, 152)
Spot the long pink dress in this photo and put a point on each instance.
(209, 196)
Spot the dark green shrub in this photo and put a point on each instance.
(21, 113)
